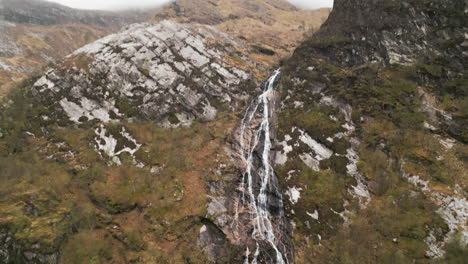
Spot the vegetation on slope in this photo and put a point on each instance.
(410, 119)
(59, 195)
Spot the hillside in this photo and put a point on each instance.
(40, 12)
(34, 33)
(167, 142)
(273, 28)
(372, 133)
(132, 101)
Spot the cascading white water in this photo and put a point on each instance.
(251, 134)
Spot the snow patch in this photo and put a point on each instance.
(89, 109)
(435, 251)
(294, 194)
(107, 144)
(4, 66)
(298, 104)
(416, 181)
(314, 215)
(429, 126)
(45, 84)
(5, 24)
(203, 229)
(322, 152)
(453, 209)
(447, 143)
(360, 190)
(310, 161)
(282, 156)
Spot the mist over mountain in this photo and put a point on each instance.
(112, 5)
(126, 4)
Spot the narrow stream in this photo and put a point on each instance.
(255, 148)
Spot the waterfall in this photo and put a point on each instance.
(258, 173)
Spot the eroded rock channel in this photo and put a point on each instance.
(259, 220)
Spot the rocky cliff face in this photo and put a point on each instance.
(170, 73)
(392, 32)
(370, 128)
(33, 31)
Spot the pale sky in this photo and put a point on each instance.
(121, 4)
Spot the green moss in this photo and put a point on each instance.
(124, 105)
(340, 146)
(392, 6)
(316, 122)
(456, 251)
(435, 71)
(321, 191)
(389, 92)
(328, 188)
(336, 163)
(377, 231)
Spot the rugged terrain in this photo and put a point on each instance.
(124, 96)
(166, 143)
(34, 33)
(273, 28)
(372, 135)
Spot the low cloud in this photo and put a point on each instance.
(312, 4)
(111, 4)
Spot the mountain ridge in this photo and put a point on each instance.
(47, 13)
(25, 48)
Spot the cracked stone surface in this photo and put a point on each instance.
(168, 72)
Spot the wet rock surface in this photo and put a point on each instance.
(259, 222)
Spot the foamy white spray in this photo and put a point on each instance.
(250, 139)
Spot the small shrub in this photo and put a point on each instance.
(88, 247)
(135, 240)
